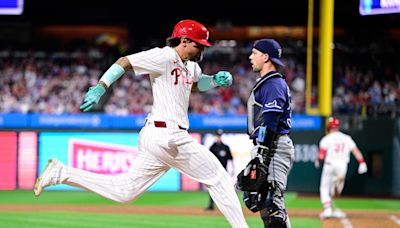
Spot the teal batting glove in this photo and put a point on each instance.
(92, 97)
(223, 78)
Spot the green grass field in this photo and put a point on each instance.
(59, 218)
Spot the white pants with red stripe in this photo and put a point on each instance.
(159, 150)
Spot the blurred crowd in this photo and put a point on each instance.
(366, 80)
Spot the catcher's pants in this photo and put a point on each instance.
(332, 180)
(160, 149)
(279, 168)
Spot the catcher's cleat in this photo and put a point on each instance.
(50, 176)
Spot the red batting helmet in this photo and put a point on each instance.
(192, 30)
(333, 123)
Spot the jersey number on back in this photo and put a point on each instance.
(339, 147)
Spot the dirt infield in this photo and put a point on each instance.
(357, 219)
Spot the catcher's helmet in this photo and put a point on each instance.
(333, 123)
(192, 30)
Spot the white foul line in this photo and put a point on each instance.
(395, 219)
(346, 223)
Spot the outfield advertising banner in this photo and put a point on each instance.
(135, 122)
(11, 7)
(372, 7)
(96, 121)
(240, 146)
(14, 120)
(306, 151)
(99, 157)
(103, 153)
(27, 159)
(8, 160)
(188, 184)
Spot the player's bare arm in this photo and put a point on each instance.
(124, 63)
(113, 73)
(357, 154)
(195, 88)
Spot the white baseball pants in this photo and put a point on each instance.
(332, 180)
(159, 150)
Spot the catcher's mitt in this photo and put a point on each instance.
(253, 177)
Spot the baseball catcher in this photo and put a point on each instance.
(268, 124)
(258, 192)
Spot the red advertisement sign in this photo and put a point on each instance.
(8, 160)
(100, 157)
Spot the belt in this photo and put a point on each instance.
(163, 124)
(279, 135)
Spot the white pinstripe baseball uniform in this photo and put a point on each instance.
(164, 141)
(338, 147)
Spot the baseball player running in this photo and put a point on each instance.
(335, 147)
(269, 122)
(164, 141)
